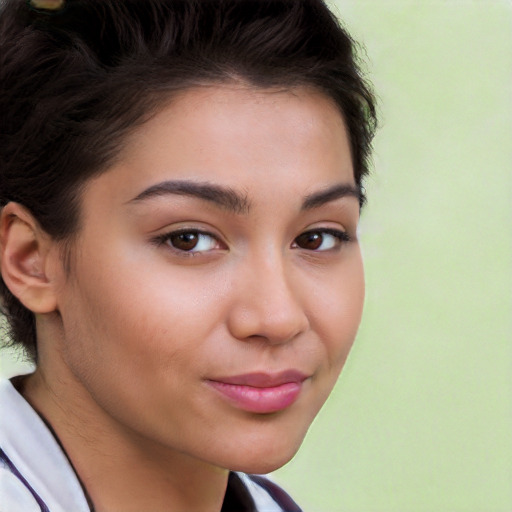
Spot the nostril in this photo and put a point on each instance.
(260, 324)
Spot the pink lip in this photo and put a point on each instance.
(261, 392)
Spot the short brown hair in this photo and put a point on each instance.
(77, 76)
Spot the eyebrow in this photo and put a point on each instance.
(322, 197)
(225, 197)
(231, 200)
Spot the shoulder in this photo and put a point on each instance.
(15, 497)
(34, 472)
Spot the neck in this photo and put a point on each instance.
(120, 469)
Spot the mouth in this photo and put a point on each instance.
(261, 393)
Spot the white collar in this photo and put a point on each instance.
(33, 450)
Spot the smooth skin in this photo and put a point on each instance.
(209, 249)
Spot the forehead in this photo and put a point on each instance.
(240, 137)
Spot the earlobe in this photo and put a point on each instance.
(24, 252)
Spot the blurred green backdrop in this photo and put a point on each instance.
(421, 419)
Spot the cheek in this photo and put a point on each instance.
(137, 308)
(131, 330)
(339, 309)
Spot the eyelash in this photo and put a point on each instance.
(166, 239)
(342, 237)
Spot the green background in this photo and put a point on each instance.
(421, 419)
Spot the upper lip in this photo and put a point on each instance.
(262, 379)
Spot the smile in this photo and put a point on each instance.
(259, 392)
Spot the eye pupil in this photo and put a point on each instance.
(185, 241)
(311, 241)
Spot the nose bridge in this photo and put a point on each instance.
(268, 304)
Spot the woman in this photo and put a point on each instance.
(181, 184)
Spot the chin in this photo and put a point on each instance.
(263, 455)
(263, 465)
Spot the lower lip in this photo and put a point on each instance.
(259, 400)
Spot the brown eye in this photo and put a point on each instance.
(321, 240)
(311, 240)
(184, 241)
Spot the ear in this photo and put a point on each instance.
(25, 250)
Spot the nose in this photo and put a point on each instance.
(268, 304)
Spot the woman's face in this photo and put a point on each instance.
(217, 282)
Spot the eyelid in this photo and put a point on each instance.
(187, 227)
(337, 230)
